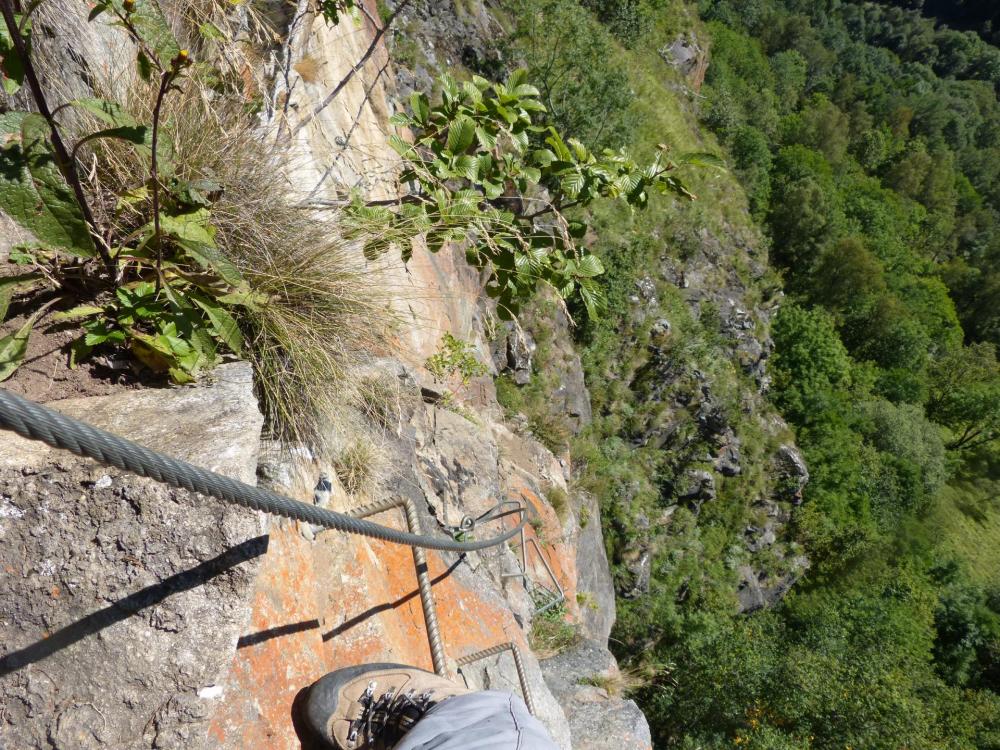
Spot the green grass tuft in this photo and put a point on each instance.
(551, 634)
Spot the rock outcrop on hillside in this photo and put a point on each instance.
(688, 55)
(699, 413)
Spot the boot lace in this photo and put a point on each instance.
(386, 718)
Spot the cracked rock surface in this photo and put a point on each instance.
(584, 679)
(120, 598)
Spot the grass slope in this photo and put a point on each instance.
(967, 520)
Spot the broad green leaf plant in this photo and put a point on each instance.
(486, 169)
(333, 9)
(156, 284)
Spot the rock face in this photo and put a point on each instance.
(593, 575)
(792, 472)
(446, 34)
(694, 414)
(513, 354)
(689, 57)
(569, 400)
(585, 679)
(173, 621)
(329, 600)
(758, 589)
(120, 599)
(697, 487)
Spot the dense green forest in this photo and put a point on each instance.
(867, 139)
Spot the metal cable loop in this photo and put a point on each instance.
(468, 523)
(37, 422)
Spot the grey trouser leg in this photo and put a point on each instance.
(487, 720)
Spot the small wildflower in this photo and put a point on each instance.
(182, 60)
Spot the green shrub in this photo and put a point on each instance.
(551, 430)
(583, 84)
(210, 254)
(509, 395)
(455, 357)
(965, 395)
(558, 498)
(810, 363)
(551, 634)
(628, 20)
(585, 599)
(484, 139)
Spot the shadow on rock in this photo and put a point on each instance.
(133, 603)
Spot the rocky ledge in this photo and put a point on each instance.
(587, 683)
(122, 599)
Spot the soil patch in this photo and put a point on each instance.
(45, 374)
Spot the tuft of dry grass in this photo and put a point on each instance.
(325, 309)
(619, 683)
(551, 634)
(211, 28)
(558, 498)
(379, 397)
(551, 430)
(359, 465)
(309, 68)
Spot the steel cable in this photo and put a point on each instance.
(37, 422)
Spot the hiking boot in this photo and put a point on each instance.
(372, 706)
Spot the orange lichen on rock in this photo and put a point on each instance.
(280, 653)
(337, 602)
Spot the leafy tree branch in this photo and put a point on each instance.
(480, 158)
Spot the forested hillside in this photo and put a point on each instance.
(867, 139)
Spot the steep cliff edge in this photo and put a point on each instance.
(671, 478)
(211, 644)
(684, 441)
